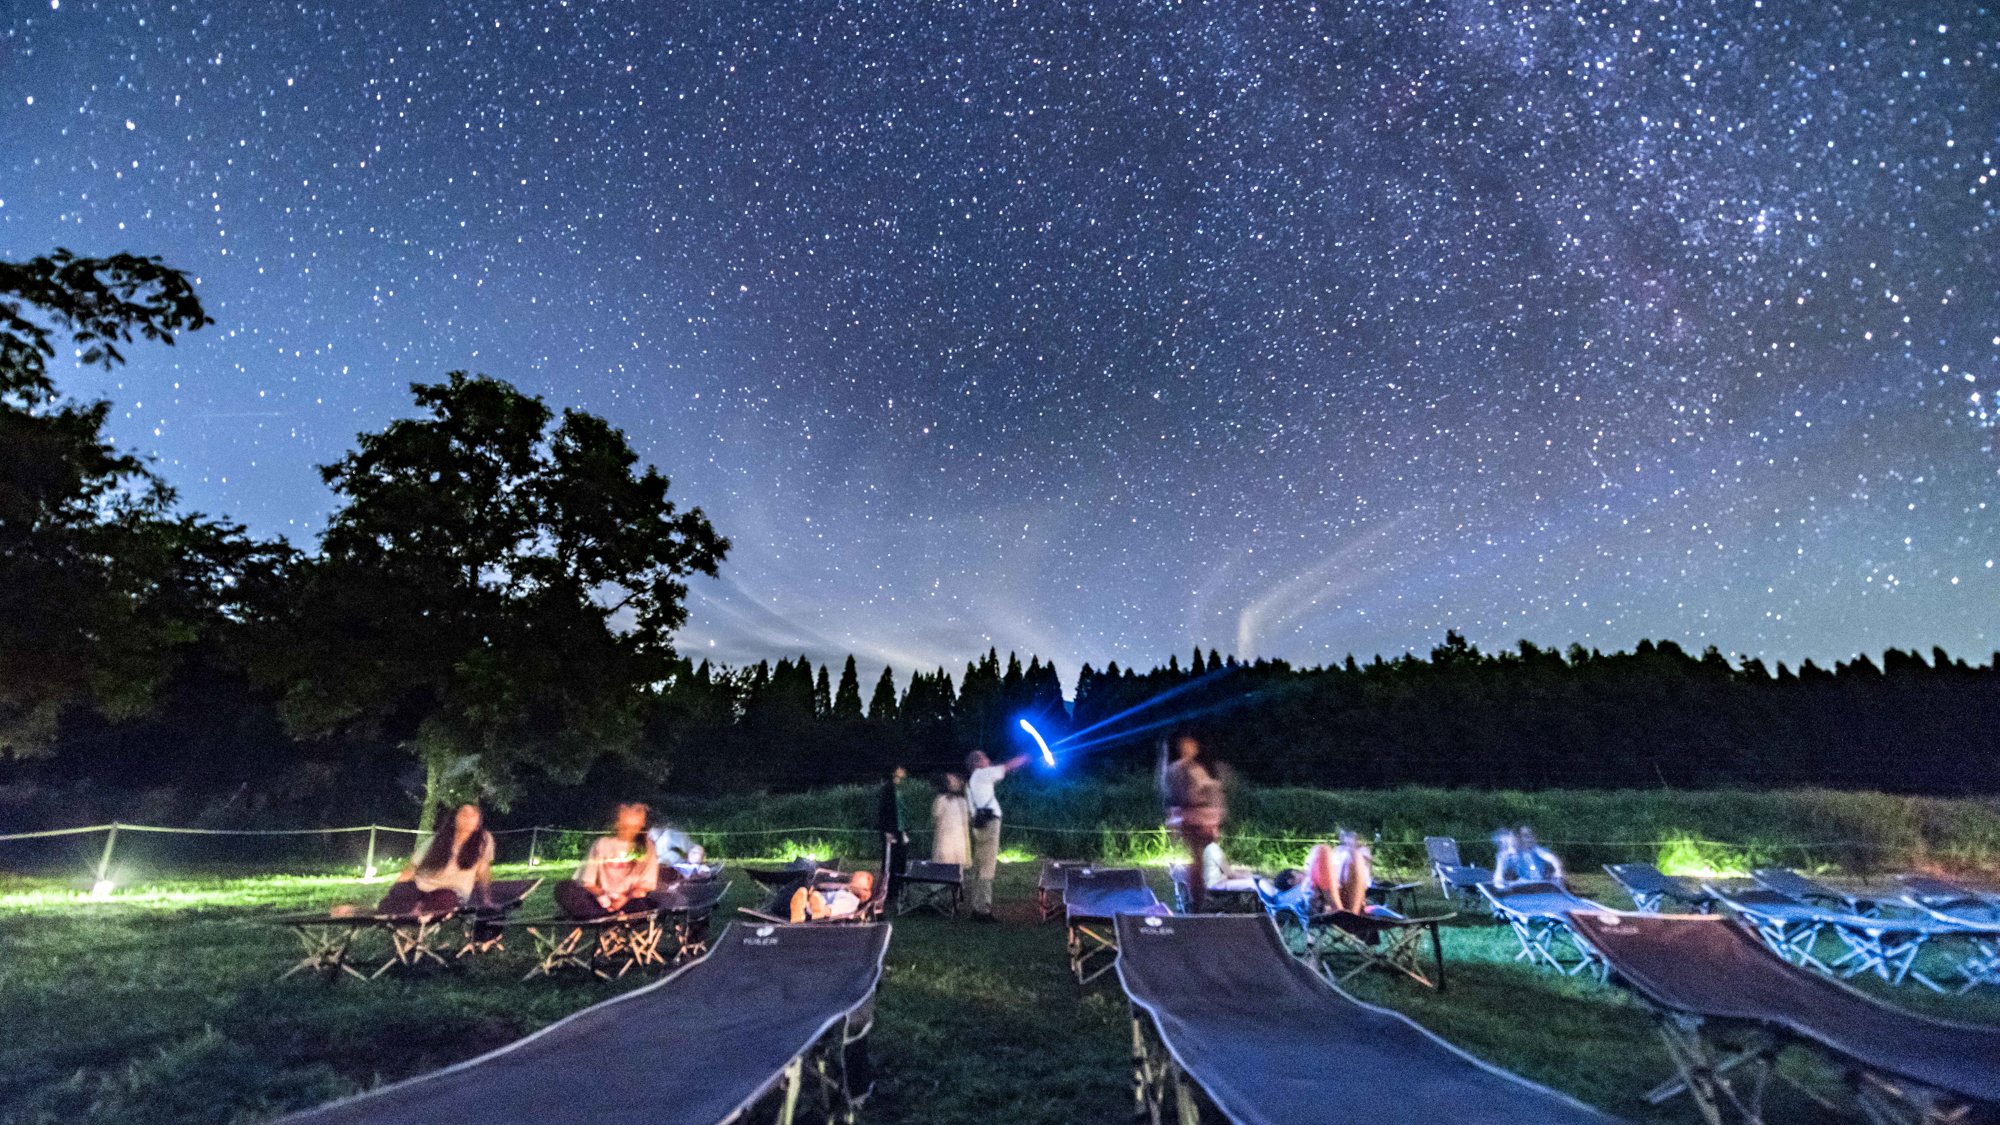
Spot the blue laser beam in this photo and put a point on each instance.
(1047, 757)
(1154, 701)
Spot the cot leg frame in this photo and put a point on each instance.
(1154, 1075)
(1891, 1101)
(1706, 1077)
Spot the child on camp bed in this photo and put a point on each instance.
(1519, 858)
(620, 872)
(1218, 874)
(812, 903)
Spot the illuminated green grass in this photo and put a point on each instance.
(162, 1005)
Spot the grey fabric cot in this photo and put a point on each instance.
(1218, 1001)
(1705, 973)
(699, 1047)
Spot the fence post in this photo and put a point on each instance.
(534, 837)
(102, 888)
(368, 869)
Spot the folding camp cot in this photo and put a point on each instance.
(1887, 947)
(1538, 915)
(793, 874)
(1812, 892)
(608, 947)
(1650, 888)
(1931, 889)
(415, 938)
(1342, 944)
(1093, 898)
(1728, 1005)
(772, 1010)
(1049, 884)
(779, 906)
(1451, 873)
(1222, 1015)
(1978, 920)
(931, 886)
(1788, 926)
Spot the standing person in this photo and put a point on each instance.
(620, 872)
(889, 822)
(1195, 807)
(951, 822)
(985, 806)
(454, 870)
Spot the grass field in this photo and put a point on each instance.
(162, 1005)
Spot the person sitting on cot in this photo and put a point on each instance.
(1218, 874)
(1519, 858)
(454, 870)
(835, 902)
(619, 873)
(1340, 874)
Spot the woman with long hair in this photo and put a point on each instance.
(951, 821)
(619, 873)
(454, 870)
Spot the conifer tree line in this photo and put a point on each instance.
(1526, 718)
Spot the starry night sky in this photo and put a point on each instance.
(1102, 330)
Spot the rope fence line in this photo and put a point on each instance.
(551, 830)
(536, 832)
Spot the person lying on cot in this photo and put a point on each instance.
(1340, 874)
(619, 873)
(454, 870)
(1519, 858)
(834, 902)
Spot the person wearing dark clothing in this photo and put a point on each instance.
(889, 822)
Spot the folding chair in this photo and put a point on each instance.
(1451, 873)
(1227, 1026)
(1537, 913)
(926, 885)
(774, 1016)
(1729, 1004)
(1812, 892)
(1650, 888)
(1049, 884)
(1092, 899)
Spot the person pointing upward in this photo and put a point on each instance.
(985, 826)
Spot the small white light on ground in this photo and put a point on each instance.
(368, 875)
(101, 889)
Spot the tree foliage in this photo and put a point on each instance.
(497, 592)
(104, 585)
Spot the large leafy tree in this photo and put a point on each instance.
(498, 592)
(104, 585)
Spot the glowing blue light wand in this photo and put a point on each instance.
(1047, 757)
